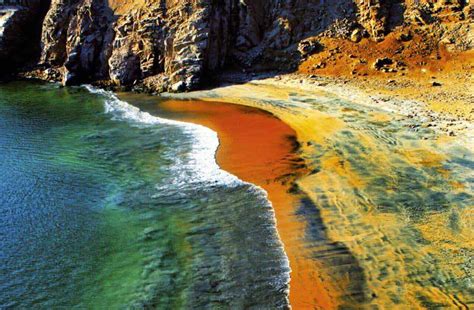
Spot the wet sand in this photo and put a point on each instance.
(260, 149)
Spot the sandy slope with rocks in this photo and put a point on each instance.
(437, 75)
(448, 111)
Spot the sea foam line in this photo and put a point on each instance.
(206, 142)
(203, 161)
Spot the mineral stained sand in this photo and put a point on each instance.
(395, 196)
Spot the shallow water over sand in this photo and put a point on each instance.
(401, 202)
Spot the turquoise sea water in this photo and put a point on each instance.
(104, 206)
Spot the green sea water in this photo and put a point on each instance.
(103, 206)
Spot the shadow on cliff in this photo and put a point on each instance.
(93, 28)
(20, 43)
(289, 37)
(278, 41)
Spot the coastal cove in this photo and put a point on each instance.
(255, 195)
(237, 154)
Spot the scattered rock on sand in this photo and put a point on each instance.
(308, 47)
(320, 65)
(356, 35)
(178, 87)
(382, 62)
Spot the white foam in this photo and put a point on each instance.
(200, 161)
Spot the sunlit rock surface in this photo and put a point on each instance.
(175, 45)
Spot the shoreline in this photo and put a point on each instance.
(370, 92)
(243, 133)
(261, 90)
(292, 105)
(209, 142)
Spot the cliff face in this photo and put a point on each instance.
(76, 40)
(174, 44)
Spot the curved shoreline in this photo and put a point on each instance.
(261, 149)
(348, 215)
(208, 142)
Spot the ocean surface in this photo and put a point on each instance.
(105, 206)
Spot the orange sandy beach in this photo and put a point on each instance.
(344, 246)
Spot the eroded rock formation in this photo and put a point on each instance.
(174, 44)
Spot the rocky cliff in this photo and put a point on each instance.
(175, 44)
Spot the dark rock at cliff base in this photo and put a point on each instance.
(356, 35)
(309, 47)
(20, 24)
